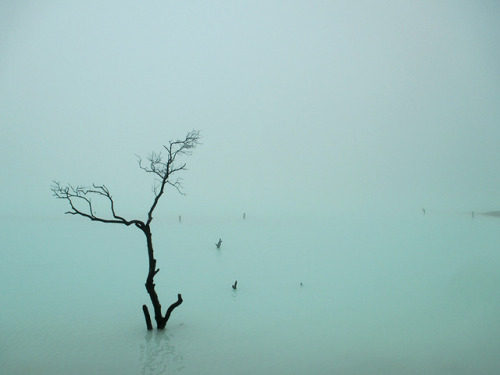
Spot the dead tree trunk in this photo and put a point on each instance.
(163, 167)
(161, 320)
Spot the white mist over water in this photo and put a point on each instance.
(385, 294)
(354, 110)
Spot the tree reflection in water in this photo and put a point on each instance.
(159, 356)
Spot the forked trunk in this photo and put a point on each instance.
(161, 321)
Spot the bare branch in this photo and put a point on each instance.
(81, 195)
(177, 185)
(172, 307)
(164, 166)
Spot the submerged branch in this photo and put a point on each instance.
(171, 308)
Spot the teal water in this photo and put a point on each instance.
(386, 294)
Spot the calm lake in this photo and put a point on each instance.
(349, 294)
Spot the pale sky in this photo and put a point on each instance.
(316, 107)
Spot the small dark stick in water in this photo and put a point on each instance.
(218, 244)
(234, 285)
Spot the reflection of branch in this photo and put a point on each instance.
(84, 194)
(159, 356)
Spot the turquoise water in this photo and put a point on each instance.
(389, 294)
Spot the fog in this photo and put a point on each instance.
(303, 107)
(315, 117)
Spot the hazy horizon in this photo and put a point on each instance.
(304, 107)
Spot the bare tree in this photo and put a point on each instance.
(163, 166)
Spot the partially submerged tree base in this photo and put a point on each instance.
(163, 322)
(148, 317)
(80, 201)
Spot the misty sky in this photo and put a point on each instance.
(304, 106)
